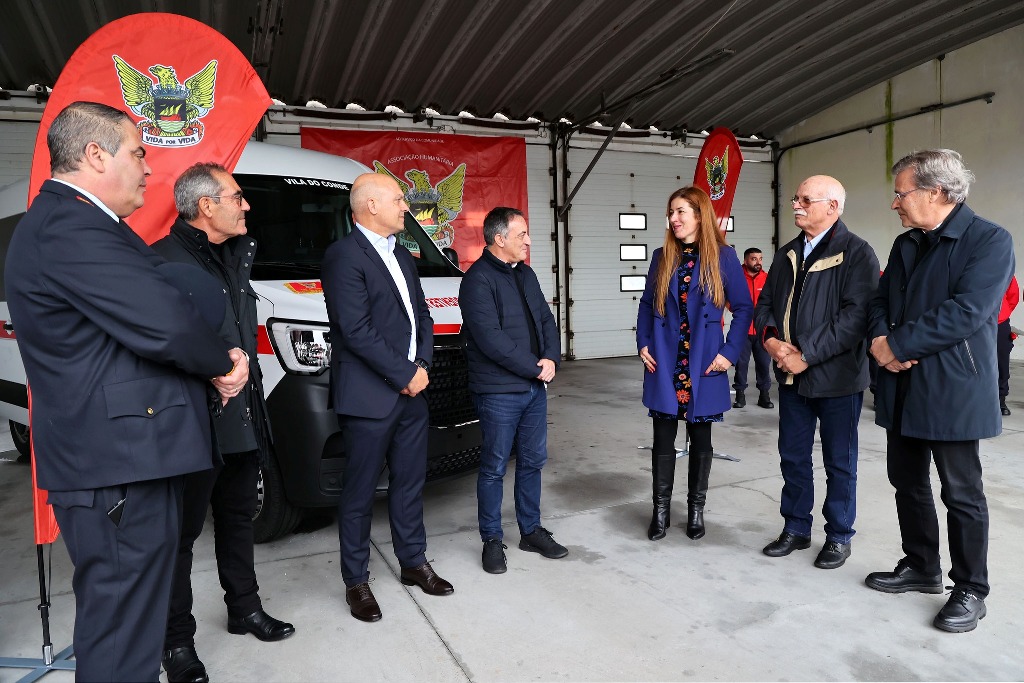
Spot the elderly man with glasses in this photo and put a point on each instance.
(210, 234)
(812, 319)
(932, 326)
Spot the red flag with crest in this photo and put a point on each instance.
(192, 95)
(718, 171)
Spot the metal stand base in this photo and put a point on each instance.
(683, 451)
(41, 667)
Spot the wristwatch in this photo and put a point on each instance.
(422, 363)
(803, 357)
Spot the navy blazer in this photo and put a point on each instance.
(116, 356)
(661, 335)
(370, 327)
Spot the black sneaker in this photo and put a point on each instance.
(540, 541)
(494, 556)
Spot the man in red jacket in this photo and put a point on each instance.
(1004, 341)
(756, 278)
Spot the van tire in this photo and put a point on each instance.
(21, 435)
(275, 516)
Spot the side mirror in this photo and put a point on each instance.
(451, 255)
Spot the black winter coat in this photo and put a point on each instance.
(830, 323)
(944, 317)
(243, 425)
(495, 330)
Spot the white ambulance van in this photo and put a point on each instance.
(300, 204)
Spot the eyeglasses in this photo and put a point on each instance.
(236, 197)
(807, 201)
(900, 195)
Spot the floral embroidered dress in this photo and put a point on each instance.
(682, 383)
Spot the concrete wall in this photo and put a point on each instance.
(990, 136)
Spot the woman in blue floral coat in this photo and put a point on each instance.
(686, 357)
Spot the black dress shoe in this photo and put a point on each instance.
(183, 666)
(426, 578)
(740, 401)
(904, 578)
(261, 625)
(363, 605)
(833, 554)
(1002, 407)
(961, 612)
(764, 400)
(785, 544)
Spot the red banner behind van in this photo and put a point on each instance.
(450, 181)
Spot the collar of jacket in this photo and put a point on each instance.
(955, 224)
(199, 240)
(836, 241)
(497, 263)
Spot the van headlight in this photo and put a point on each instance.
(304, 348)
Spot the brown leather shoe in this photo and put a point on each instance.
(364, 605)
(426, 578)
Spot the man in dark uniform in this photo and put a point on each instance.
(210, 234)
(117, 358)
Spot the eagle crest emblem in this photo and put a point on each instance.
(717, 170)
(170, 110)
(434, 207)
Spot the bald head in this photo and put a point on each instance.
(818, 204)
(378, 204)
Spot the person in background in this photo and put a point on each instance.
(755, 276)
(1004, 341)
(210, 234)
(812, 319)
(933, 332)
(692, 278)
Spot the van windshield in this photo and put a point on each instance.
(294, 219)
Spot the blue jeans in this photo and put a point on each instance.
(511, 421)
(798, 417)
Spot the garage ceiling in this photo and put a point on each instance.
(548, 58)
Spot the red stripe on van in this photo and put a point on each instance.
(448, 328)
(263, 341)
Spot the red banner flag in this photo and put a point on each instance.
(193, 96)
(718, 171)
(42, 513)
(450, 181)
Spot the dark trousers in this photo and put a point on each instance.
(231, 490)
(1004, 344)
(959, 467)
(122, 577)
(762, 366)
(400, 441)
(838, 417)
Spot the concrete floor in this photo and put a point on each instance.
(619, 607)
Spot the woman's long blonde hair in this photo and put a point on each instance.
(709, 239)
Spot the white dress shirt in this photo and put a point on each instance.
(385, 246)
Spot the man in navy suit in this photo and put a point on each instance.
(382, 336)
(117, 358)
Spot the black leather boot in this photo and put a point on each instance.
(697, 480)
(663, 468)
